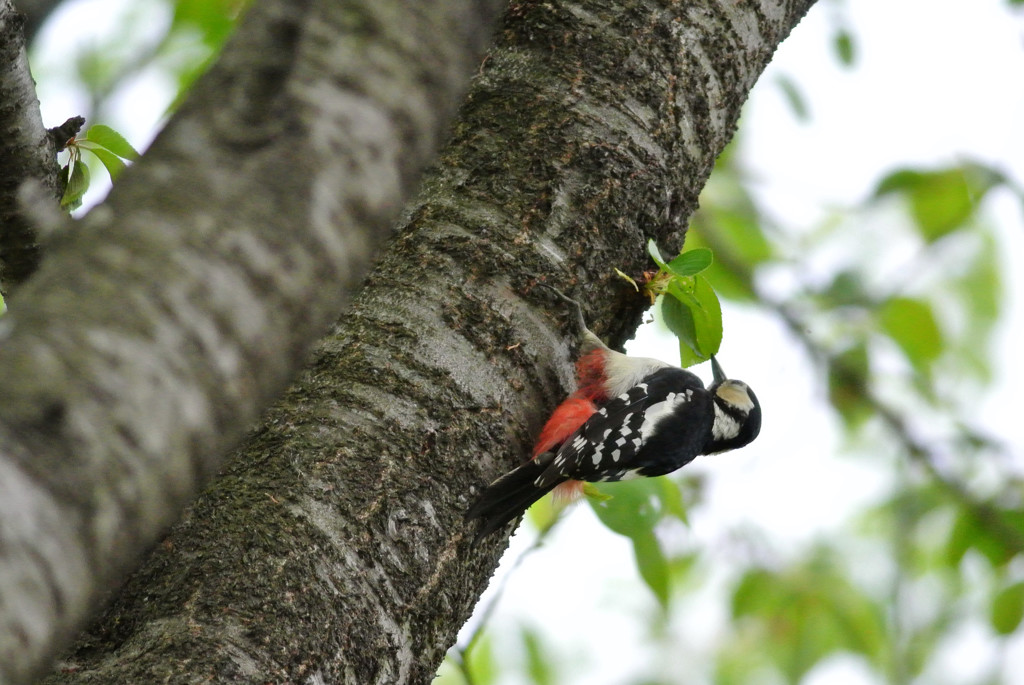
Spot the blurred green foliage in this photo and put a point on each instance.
(936, 310)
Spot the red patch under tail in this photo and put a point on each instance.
(564, 421)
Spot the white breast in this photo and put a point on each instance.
(623, 372)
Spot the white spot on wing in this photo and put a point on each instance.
(656, 412)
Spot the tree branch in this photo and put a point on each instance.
(156, 330)
(26, 152)
(332, 549)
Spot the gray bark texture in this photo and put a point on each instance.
(157, 328)
(331, 548)
(26, 152)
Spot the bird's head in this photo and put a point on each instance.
(737, 412)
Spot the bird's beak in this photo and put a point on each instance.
(716, 370)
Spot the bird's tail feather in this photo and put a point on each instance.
(507, 498)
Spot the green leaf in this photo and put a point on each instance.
(633, 507)
(846, 289)
(980, 291)
(691, 262)
(981, 286)
(653, 566)
(672, 499)
(111, 162)
(709, 326)
(847, 377)
(538, 663)
(858, 619)
(844, 48)
(794, 98)
(693, 300)
(684, 570)
(679, 319)
(213, 18)
(78, 183)
(940, 201)
(900, 181)
(982, 536)
(809, 611)
(590, 491)
(652, 249)
(942, 204)
(757, 593)
(1008, 609)
(480, 662)
(111, 140)
(911, 325)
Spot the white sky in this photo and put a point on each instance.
(936, 80)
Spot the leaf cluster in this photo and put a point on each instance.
(104, 144)
(689, 305)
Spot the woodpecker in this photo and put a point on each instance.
(630, 417)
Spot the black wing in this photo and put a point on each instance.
(620, 440)
(509, 496)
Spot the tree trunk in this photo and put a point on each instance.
(26, 152)
(158, 328)
(332, 547)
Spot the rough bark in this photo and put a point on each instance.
(158, 328)
(26, 152)
(332, 548)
